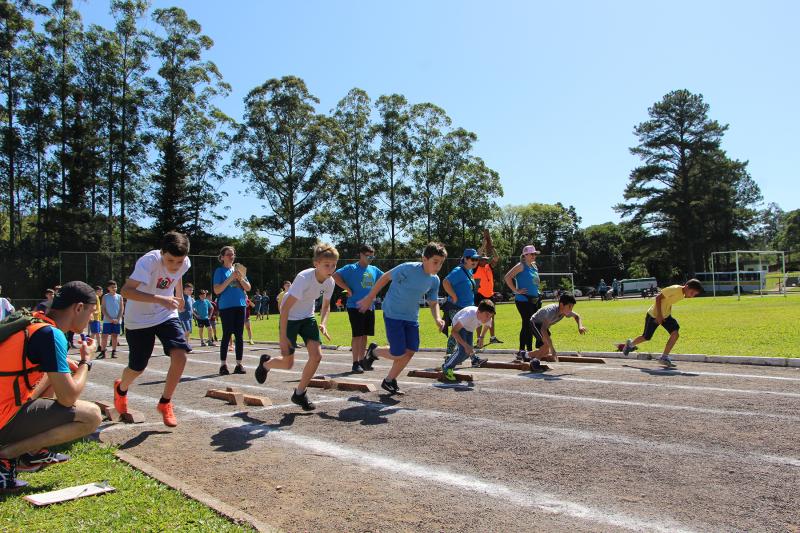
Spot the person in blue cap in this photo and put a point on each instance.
(460, 288)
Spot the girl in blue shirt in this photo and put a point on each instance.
(231, 287)
(523, 280)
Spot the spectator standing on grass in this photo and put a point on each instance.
(357, 279)
(660, 314)
(484, 278)
(113, 308)
(256, 299)
(186, 314)
(231, 287)
(37, 367)
(264, 305)
(96, 323)
(460, 289)
(281, 295)
(212, 320)
(155, 295)
(615, 288)
(523, 280)
(249, 307)
(5, 306)
(201, 309)
(465, 322)
(297, 318)
(409, 282)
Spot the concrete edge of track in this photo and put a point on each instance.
(231, 513)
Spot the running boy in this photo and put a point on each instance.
(201, 311)
(297, 318)
(155, 294)
(465, 322)
(113, 309)
(357, 279)
(410, 281)
(541, 322)
(660, 314)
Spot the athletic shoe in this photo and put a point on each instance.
(357, 368)
(448, 375)
(666, 361)
(250, 341)
(8, 476)
(210, 343)
(302, 401)
(390, 386)
(33, 462)
(113, 354)
(239, 369)
(100, 355)
(495, 340)
(202, 343)
(369, 357)
(522, 355)
(478, 362)
(167, 414)
(628, 347)
(261, 372)
(120, 402)
(223, 370)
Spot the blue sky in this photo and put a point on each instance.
(552, 89)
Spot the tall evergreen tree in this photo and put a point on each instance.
(428, 129)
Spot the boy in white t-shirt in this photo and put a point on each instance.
(155, 295)
(297, 318)
(465, 322)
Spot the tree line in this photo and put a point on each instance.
(111, 136)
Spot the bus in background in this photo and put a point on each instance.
(725, 282)
(637, 285)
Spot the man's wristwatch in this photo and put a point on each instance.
(87, 363)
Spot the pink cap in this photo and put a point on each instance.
(530, 249)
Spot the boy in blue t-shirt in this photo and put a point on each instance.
(201, 310)
(185, 316)
(357, 279)
(113, 308)
(410, 281)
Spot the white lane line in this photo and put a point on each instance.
(668, 407)
(527, 497)
(611, 368)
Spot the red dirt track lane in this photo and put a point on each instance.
(620, 446)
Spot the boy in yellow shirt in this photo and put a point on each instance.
(660, 314)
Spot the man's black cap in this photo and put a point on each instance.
(73, 292)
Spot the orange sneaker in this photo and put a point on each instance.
(120, 402)
(166, 412)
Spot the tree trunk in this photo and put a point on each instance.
(10, 151)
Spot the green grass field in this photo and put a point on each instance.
(754, 326)
(139, 504)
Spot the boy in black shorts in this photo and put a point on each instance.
(541, 322)
(155, 295)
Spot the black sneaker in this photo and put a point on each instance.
(261, 372)
(478, 362)
(369, 357)
(390, 386)
(302, 401)
(522, 355)
(223, 370)
(113, 354)
(357, 368)
(8, 476)
(33, 462)
(537, 366)
(100, 355)
(239, 369)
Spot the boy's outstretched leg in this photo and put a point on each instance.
(299, 395)
(665, 358)
(176, 366)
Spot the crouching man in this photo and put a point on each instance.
(34, 365)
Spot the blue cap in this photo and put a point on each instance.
(472, 253)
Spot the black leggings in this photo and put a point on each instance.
(232, 324)
(526, 311)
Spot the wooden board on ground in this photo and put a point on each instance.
(131, 417)
(70, 493)
(323, 382)
(431, 374)
(579, 359)
(236, 397)
(518, 365)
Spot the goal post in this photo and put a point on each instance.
(552, 281)
(746, 271)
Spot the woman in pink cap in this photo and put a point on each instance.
(523, 280)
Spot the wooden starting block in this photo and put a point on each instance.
(517, 365)
(131, 417)
(236, 397)
(579, 359)
(436, 374)
(323, 382)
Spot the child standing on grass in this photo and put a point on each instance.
(113, 308)
(212, 321)
(96, 323)
(201, 311)
(660, 314)
(281, 295)
(248, 311)
(297, 318)
(187, 313)
(465, 322)
(410, 282)
(155, 295)
(540, 325)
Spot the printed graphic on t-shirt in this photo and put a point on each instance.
(164, 283)
(367, 280)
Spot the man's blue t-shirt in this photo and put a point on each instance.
(527, 279)
(48, 348)
(202, 308)
(233, 295)
(409, 284)
(360, 280)
(464, 286)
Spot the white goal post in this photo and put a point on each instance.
(760, 278)
(549, 286)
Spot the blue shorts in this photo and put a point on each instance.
(142, 341)
(111, 329)
(187, 324)
(95, 326)
(403, 336)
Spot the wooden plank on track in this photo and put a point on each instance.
(436, 375)
(579, 359)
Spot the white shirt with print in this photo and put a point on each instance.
(154, 278)
(307, 290)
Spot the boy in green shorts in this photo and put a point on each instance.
(297, 318)
(660, 314)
